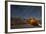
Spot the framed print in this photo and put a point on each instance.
(24, 16)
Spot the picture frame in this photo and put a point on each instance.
(7, 16)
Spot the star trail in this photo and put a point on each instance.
(26, 11)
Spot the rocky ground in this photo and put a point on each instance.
(26, 23)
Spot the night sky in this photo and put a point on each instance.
(26, 11)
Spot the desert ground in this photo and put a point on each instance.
(25, 23)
